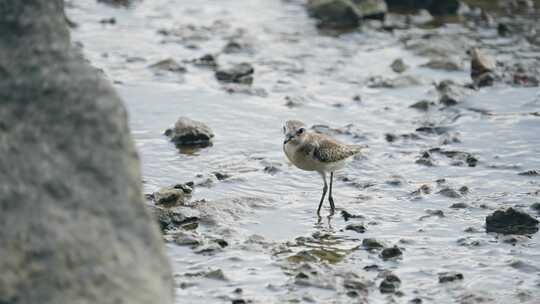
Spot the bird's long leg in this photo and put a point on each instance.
(323, 175)
(330, 198)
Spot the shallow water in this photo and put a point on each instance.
(262, 213)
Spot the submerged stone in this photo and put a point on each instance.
(187, 132)
(511, 221)
(390, 284)
(390, 253)
(356, 227)
(450, 277)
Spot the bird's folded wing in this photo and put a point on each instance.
(330, 150)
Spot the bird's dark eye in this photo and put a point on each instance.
(300, 131)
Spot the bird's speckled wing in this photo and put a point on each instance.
(330, 150)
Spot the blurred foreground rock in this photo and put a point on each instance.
(73, 227)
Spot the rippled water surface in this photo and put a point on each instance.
(262, 215)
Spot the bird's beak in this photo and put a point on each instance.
(287, 139)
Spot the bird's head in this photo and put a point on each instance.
(294, 131)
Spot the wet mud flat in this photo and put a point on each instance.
(423, 216)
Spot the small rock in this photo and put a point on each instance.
(424, 189)
(346, 215)
(239, 301)
(221, 176)
(399, 66)
(356, 227)
(443, 64)
(372, 268)
(334, 13)
(216, 275)
(169, 65)
(416, 301)
(390, 284)
(459, 206)
(422, 105)
(401, 81)
(449, 192)
(238, 73)
(110, 21)
(184, 238)
(482, 68)
(451, 94)
(450, 277)
(351, 281)
(188, 132)
(530, 173)
(207, 60)
(371, 244)
(392, 252)
(169, 196)
(511, 221)
(438, 213)
(536, 207)
(170, 219)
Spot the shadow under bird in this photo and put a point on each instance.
(312, 151)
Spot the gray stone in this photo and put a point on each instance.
(391, 252)
(239, 73)
(169, 65)
(482, 68)
(447, 64)
(188, 132)
(390, 284)
(399, 66)
(451, 93)
(334, 13)
(170, 196)
(445, 277)
(73, 226)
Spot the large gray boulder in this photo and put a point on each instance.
(73, 227)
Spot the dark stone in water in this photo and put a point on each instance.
(356, 227)
(449, 192)
(422, 105)
(416, 301)
(530, 173)
(390, 284)
(435, 7)
(238, 301)
(221, 176)
(482, 68)
(334, 13)
(207, 60)
(170, 219)
(459, 206)
(169, 65)
(392, 252)
(373, 267)
(345, 14)
(399, 66)
(536, 207)
(346, 215)
(451, 94)
(511, 221)
(450, 277)
(239, 73)
(188, 132)
(371, 244)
